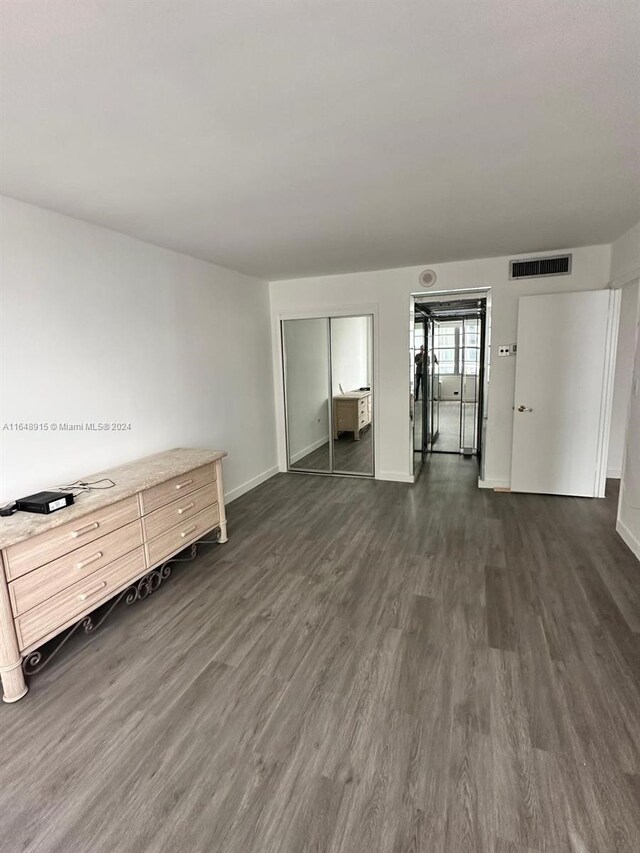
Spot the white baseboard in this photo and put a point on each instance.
(494, 484)
(306, 450)
(250, 484)
(632, 541)
(394, 476)
(614, 473)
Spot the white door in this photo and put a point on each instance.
(560, 418)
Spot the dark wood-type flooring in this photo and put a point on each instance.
(365, 667)
(348, 454)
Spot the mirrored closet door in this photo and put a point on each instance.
(328, 383)
(307, 390)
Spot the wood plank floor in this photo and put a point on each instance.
(348, 455)
(365, 667)
(449, 438)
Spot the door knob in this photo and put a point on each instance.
(524, 409)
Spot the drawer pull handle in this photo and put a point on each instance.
(86, 529)
(188, 531)
(183, 484)
(185, 508)
(83, 596)
(82, 563)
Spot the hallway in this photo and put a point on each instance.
(449, 435)
(382, 667)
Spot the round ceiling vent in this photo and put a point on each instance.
(427, 278)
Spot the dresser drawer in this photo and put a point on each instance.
(39, 585)
(35, 552)
(177, 487)
(181, 535)
(177, 512)
(82, 597)
(346, 423)
(346, 414)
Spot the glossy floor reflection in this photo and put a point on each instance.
(449, 435)
(349, 455)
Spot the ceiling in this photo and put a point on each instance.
(288, 138)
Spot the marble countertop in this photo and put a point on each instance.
(129, 479)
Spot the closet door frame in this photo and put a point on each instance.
(328, 313)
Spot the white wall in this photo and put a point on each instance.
(630, 295)
(390, 290)
(625, 256)
(97, 326)
(629, 506)
(307, 348)
(450, 387)
(625, 265)
(350, 350)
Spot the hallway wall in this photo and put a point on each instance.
(307, 386)
(625, 265)
(391, 291)
(625, 350)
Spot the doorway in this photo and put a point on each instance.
(449, 364)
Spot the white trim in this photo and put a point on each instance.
(627, 536)
(494, 484)
(624, 279)
(395, 476)
(614, 473)
(460, 291)
(250, 484)
(306, 450)
(330, 311)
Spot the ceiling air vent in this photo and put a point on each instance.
(539, 267)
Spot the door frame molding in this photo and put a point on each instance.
(458, 293)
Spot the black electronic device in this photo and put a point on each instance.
(45, 502)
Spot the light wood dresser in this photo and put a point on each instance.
(351, 412)
(56, 569)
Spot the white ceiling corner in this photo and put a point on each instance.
(286, 139)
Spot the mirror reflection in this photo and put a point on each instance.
(351, 374)
(328, 376)
(417, 365)
(306, 359)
